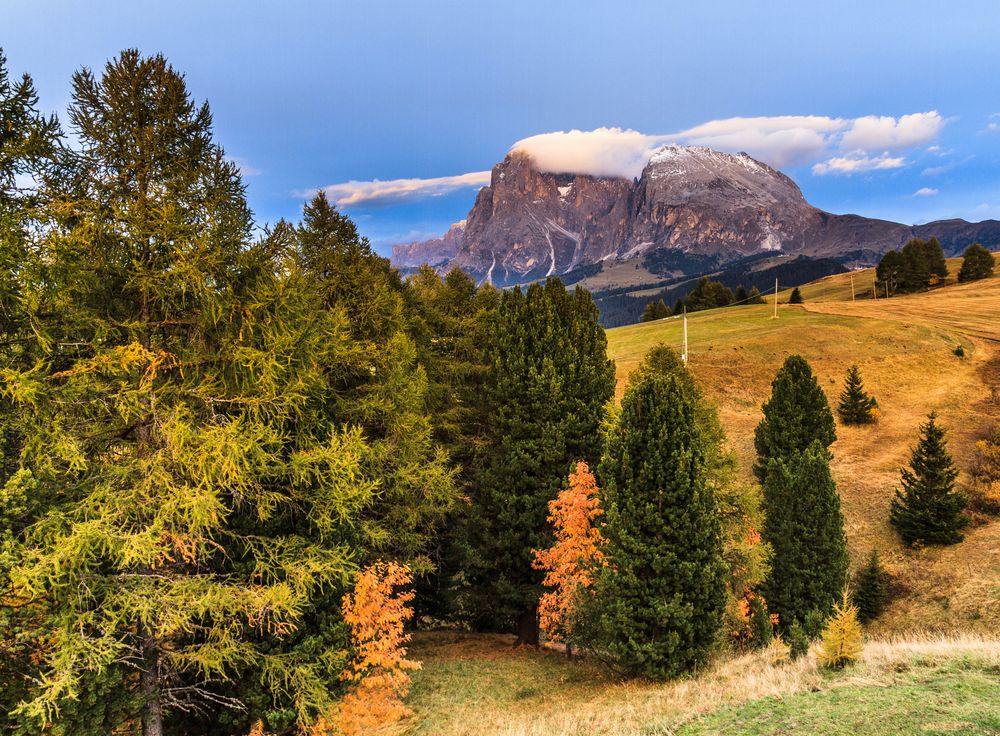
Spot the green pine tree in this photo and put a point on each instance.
(927, 509)
(550, 380)
(796, 297)
(977, 263)
(870, 589)
(796, 415)
(740, 296)
(856, 405)
(804, 526)
(755, 296)
(659, 600)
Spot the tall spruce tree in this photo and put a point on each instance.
(187, 508)
(796, 297)
(550, 381)
(856, 405)
(659, 601)
(870, 589)
(804, 526)
(926, 508)
(796, 415)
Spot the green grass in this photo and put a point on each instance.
(957, 698)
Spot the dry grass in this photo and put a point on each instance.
(904, 347)
(480, 685)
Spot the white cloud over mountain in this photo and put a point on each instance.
(832, 145)
(378, 192)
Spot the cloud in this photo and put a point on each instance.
(884, 133)
(783, 140)
(993, 124)
(246, 169)
(378, 192)
(925, 192)
(833, 145)
(857, 164)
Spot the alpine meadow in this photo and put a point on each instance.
(599, 432)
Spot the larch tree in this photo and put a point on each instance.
(576, 553)
(805, 528)
(160, 426)
(549, 382)
(927, 509)
(856, 405)
(659, 600)
(796, 415)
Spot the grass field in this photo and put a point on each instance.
(940, 679)
(475, 684)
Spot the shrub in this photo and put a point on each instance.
(798, 640)
(984, 491)
(959, 351)
(841, 642)
(761, 624)
(813, 622)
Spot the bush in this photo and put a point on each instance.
(813, 623)
(959, 351)
(984, 491)
(761, 625)
(841, 643)
(871, 589)
(798, 640)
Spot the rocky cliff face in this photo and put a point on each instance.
(691, 205)
(433, 252)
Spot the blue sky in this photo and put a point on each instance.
(864, 104)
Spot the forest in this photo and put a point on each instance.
(238, 464)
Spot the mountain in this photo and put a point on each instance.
(692, 210)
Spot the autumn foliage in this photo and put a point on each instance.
(377, 612)
(570, 561)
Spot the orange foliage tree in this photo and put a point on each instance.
(569, 563)
(377, 612)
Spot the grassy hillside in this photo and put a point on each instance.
(905, 348)
(924, 669)
(475, 684)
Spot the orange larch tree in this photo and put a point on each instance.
(377, 612)
(570, 562)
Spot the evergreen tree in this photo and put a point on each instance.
(550, 380)
(655, 310)
(804, 526)
(708, 294)
(856, 405)
(740, 295)
(927, 509)
(870, 590)
(977, 263)
(755, 296)
(660, 598)
(679, 307)
(194, 509)
(796, 297)
(796, 415)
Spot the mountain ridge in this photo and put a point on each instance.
(688, 201)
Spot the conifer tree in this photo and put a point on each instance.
(660, 598)
(856, 405)
(796, 415)
(575, 555)
(977, 263)
(841, 643)
(870, 590)
(740, 295)
(755, 296)
(655, 310)
(549, 383)
(188, 510)
(804, 526)
(796, 297)
(927, 509)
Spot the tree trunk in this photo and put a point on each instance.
(149, 683)
(569, 651)
(527, 628)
